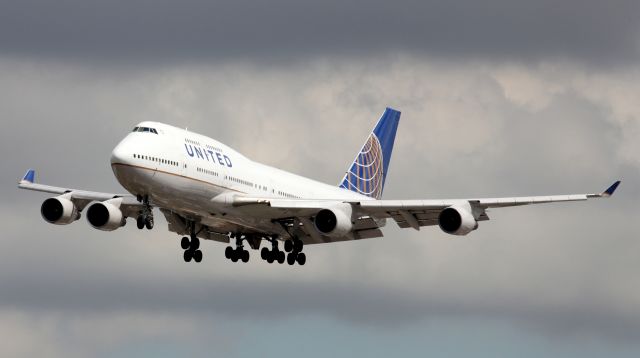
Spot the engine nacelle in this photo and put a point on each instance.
(457, 220)
(334, 221)
(105, 216)
(59, 211)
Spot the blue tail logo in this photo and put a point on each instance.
(369, 170)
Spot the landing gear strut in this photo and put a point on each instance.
(239, 253)
(145, 217)
(191, 246)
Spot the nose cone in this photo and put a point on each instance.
(122, 153)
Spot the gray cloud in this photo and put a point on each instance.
(466, 130)
(195, 30)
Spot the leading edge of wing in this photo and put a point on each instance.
(420, 204)
(28, 182)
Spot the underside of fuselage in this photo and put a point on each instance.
(190, 200)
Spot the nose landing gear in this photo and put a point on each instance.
(145, 217)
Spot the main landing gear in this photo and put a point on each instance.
(191, 247)
(145, 217)
(239, 253)
(274, 254)
(293, 247)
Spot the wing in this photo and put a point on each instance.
(370, 215)
(81, 198)
(417, 213)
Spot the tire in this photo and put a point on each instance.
(197, 256)
(140, 222)
(148, 222)
(184, 243)
(288, 245)
(298, 245)
(264, 253)
(195, 243)
(291, 259)
(188, 255)
(228, 252)
(302, 258)
(234, 256)
(245, 256)
(271, 257)
(280, 257)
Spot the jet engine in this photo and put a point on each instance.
(457, 220)
(334, 221)
(59, 211)
(105, 216)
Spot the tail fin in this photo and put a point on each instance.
(368, 172)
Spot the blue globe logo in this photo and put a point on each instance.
(366, 174)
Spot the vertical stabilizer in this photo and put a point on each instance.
(368, 172)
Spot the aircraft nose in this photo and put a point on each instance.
(121, 153)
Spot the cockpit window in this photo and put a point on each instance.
(145, 129)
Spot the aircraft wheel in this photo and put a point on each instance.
(291, 259)
(148, 222)
(195, 243)
(288, 245)
(298, 245)
(280, 257)
(184, 243)
(271, 256)
(197, 256)
(264, 253)
(302, 258)
(228, 252)
(234, 256)
(245, 256)
(188, 255)
(140, 222)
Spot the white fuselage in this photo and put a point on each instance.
(191, 174)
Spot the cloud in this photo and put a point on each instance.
(166, 31)
(466, 130)
(69, 334)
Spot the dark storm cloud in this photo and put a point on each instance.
(591, 30)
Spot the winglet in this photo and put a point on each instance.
(29, 177)
(611, 189)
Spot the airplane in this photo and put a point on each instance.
(206, 190)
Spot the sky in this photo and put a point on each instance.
(498, 98)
